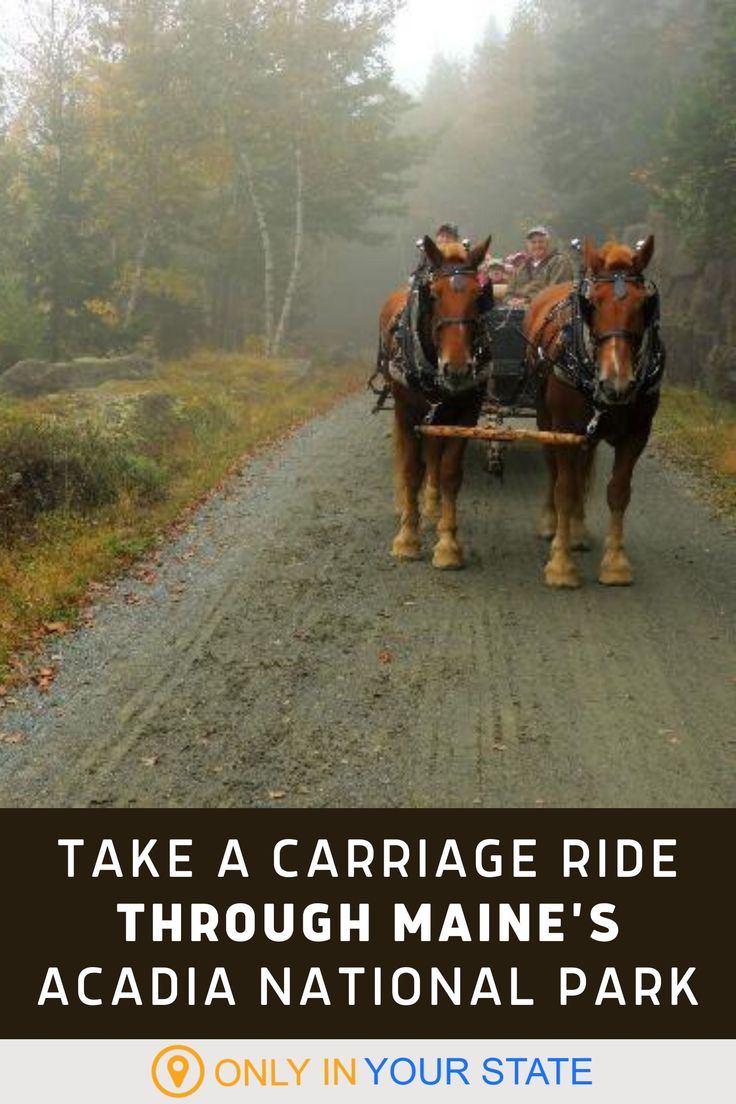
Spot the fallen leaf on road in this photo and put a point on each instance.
(150, 760)
(11, 737)
(275, 795)
(44, 678)
(385, 656)
(147, 575)
(55, 627)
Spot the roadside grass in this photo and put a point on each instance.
(699, 433)
(90, 480)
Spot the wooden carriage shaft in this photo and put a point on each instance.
(498, 433)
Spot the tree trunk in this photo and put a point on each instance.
(135, 289)
(268, 265)
(296, 264)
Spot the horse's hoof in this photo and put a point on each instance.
(448, 558)
(561, 578)
(615, 574)
(406, 550)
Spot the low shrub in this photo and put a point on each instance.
(46, 464)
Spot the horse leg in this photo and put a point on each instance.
(560, 570)
(548, 515)
(409, 471)
(431, 498)
(448, 553)
(615, 569)
(580, 539)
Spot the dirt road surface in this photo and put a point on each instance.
(281, 657)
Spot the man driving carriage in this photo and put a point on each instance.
(543, 267)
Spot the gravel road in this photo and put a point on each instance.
(279, 656)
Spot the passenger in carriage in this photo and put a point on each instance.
(447, 233)
(493, 271)
(444, 235)
(544, 266)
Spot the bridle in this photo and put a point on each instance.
(619, 281)
(456, 274)
(415, 361)
(575, 361)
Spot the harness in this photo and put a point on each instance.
(572, 352)
(412, 358)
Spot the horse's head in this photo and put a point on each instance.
(454, 290)
(618, 307)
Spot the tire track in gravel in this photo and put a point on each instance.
(282, 657)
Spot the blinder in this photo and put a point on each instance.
(577, 363)
(458, 279)
(619, 280)
(585, 300)
(416, 359)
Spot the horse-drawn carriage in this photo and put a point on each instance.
(585, 357)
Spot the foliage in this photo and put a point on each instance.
(695, 177)
(22, 326)
(699, 433)
(125, 126)
(582, 115)
(603, 103)
(48, 465)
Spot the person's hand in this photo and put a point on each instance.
(516, 301)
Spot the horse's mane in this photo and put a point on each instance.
(453, 251)
(616, 256)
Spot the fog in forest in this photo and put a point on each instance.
(254, 173)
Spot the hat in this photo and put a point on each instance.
(542, 230)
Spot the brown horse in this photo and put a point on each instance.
(596, 346)
(433, 352)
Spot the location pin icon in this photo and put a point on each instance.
(178, 1068)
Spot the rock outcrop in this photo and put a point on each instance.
(29, 378)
